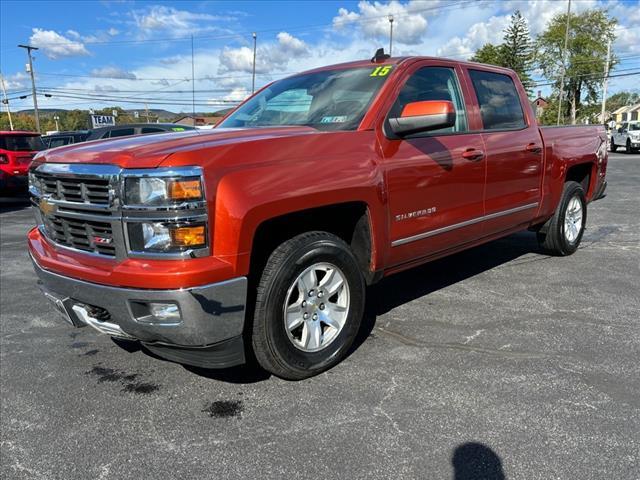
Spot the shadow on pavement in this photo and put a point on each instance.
(475, 461)
(417, 282)
(11, 204)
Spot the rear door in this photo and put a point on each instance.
(435, 193)
(513, 146)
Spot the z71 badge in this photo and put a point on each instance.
(418, 213)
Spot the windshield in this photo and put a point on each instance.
(326, 100)
(21, 143)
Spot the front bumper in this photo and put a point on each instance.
(212, 316)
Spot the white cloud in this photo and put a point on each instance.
(18, 80)
(55, 46)
(478, 34)
(113, 32)
(371, 20)
(113, 72)
(170, 20)
(269, 57)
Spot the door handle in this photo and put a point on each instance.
(473, 154)
(533, 148)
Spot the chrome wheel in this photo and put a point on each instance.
(316, 307)
(573, 220)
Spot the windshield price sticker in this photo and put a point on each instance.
(381, 71)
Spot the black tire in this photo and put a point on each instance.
(629, 149)
(612, 146)
(552, 235)
(272, 346)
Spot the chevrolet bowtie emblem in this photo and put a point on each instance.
(46, 207)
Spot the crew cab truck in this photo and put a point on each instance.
(628, 136)
(260, 236)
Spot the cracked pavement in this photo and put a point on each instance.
(498, 360)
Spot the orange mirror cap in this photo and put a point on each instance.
(427, 107)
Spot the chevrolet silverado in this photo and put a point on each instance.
(257, 239)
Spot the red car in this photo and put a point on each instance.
(17, 150)
(262, 234)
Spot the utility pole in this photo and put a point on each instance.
(56, 118)
(390, 34)
(146, 109)
(6, 101)
(33, 84)
(193, 86)
(253, 77)
(606, 82)
(564, 61)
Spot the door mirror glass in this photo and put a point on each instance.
(417, 117)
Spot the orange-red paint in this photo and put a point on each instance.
(427, 107)
(253, 175)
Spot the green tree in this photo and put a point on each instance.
(589, 34)
(21, 121)
(622, 99)
(517, 49)
(489, 54)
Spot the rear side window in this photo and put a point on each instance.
(433, 83)
(21, 143)
(122, 132)
(59, 141)
(152, 130)
(499, 101)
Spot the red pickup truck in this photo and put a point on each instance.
(260, 236)
(17, 149)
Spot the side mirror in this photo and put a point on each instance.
(424, 116)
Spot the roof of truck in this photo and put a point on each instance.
(399, 61)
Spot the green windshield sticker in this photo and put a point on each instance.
(381, 71)
(178, 129)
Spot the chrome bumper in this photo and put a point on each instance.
(210, 314)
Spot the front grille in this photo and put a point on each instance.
(87, 235)
(74, 189)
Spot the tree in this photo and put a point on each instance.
(517, 49)
(489, 54)
(589, 34)
(515, 52)
(622, 99)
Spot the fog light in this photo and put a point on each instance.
(165, 312)
(188, 236)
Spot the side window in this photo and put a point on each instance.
(59, 141)
(122, 132)
(433, 83)
(499, 101)
(151, 130)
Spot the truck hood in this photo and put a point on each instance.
(149, 151)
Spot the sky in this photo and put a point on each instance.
(131, 53)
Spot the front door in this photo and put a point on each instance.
(435, 180)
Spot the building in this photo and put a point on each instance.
(539, 104)
(201, 121)
(626, 113)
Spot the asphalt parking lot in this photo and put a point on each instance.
(496, 362)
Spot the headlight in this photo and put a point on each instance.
(165, 212)
(159, 191)
(166, 237)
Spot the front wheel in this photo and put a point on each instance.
(629, 149)
(562, 234)
(309, 306)
(612, 146)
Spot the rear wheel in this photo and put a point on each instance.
(612, 146)
(309, 306)
(562, 234)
